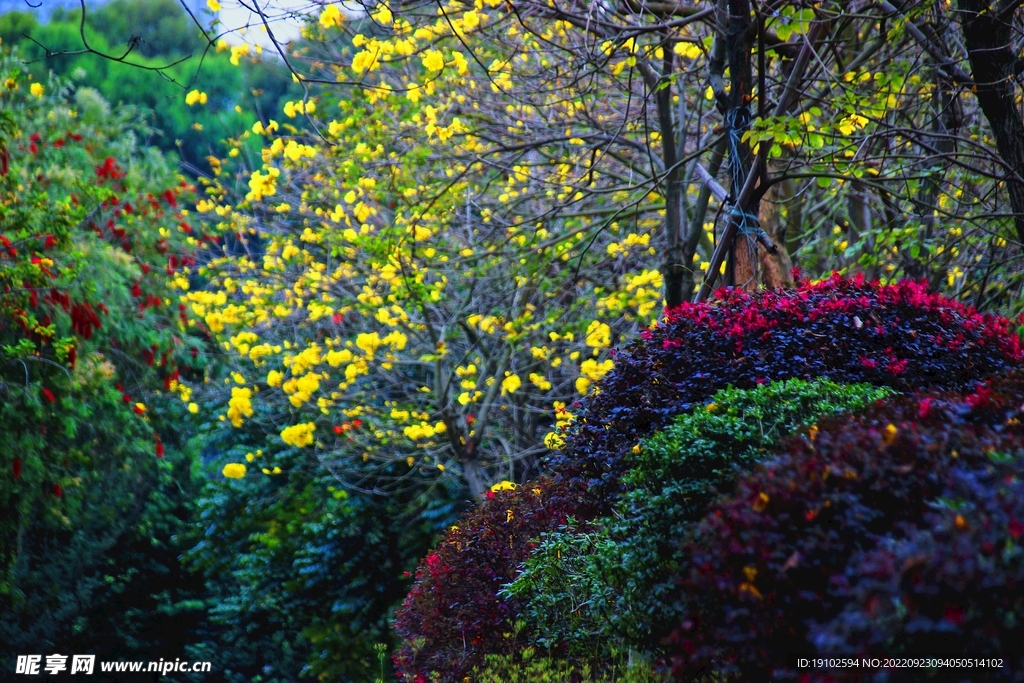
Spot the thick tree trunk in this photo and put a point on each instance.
(988, 29)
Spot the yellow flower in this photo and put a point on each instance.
(504, 486)
(433, 60)
(237, 52)
(599, 335)
(213, 5)
(261, 185)
(298, 435)
(510, 384)
(553, 441)
(331, 16)
(36, 89)
(540, 381)
(195, 97)
(193, 408)
(234, 470)
(890, 433)
(594, 371)
(11, 84)
(383, 16)
(240, 405)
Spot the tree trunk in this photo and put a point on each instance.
(674, 264)
(987, 29)
(775, 268)
(741, 270)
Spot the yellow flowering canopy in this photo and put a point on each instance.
(397, 268)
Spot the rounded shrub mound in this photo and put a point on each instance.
(453, 616)
(644, 565)
(612, 581)
(804, 554)
(848, 331)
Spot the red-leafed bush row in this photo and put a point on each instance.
(901, 336)
(895, 531)
(453, 616)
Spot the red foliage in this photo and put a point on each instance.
(779, 556)
(109, 170)
(901, 335)
(453, 604)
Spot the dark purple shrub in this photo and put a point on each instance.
(954, 587)
(847, 331)
(770, 562)
(453, 616)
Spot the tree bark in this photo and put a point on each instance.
(775, 268)
(742, 267)
(988, 30)
(674, 264)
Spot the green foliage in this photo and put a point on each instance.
(302, 575)
(529, 668)
(610, 581)
(169, 38)
(14, 26)
(568, 587)
(164, 29)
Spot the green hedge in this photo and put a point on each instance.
(589, 588)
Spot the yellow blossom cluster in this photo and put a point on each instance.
(299, 435)
(402, 285)
(240, 405)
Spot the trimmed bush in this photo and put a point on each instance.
(453, 615)
(848, 331)
(954, 587)
(613, 580)
(769, 563)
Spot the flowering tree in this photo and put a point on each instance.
(396, 318)
(486, 199)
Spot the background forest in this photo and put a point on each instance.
(396, 351)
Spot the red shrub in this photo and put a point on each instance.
(453, 615)
(772, 561)
(848, 331)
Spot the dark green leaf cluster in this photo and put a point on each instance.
(302, 575)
